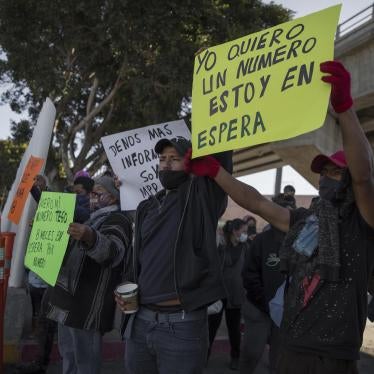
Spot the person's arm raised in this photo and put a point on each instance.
(245, 196)
(357, 149)
(250, 199)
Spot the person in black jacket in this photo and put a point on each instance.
(82, 299)
(261, 279)
(328, 252)
(233, 253)
(252, 227)
(177, 267)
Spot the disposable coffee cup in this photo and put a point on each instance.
(128, 292)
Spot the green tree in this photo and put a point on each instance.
(21, 131)
(10, 157)
(111, 65)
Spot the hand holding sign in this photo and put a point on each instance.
(82, 232)
(203, 166)
(40, 182)
(117, 182)
(340, 80)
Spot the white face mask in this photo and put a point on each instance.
(243, 237)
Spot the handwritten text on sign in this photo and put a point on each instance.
(133, 159)
(33, 167)
(49, 238)
(263, 87)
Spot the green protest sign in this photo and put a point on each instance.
(49, 238)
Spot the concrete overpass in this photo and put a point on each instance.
(354, 46)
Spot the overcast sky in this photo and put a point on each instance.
(263, 181)
(304, 7)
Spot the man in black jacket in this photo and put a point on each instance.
(328, 251)
(177, 267)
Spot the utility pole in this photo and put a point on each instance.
(278, 181)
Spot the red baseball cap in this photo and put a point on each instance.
(338, 159)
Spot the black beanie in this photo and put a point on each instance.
(86, 182)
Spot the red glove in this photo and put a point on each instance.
(203, 166)
(340, 80)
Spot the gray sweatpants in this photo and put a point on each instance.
(259, 330)
(80, 350)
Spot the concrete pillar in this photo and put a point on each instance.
(278, 181)
(17, 322)
(299, 152)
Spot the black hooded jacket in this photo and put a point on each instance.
(261, 274)
(201, 202)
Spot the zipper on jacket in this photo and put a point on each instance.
(136, 241)
(176, 242)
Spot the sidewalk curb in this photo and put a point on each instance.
(111, 351)
(11, 353)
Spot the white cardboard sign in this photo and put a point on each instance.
(133, 159)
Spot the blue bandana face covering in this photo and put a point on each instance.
(307, 241)
(328, 188)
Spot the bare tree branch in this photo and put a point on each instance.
(91, 98)
(93, 137)
(98, 133)
(71, 151)
(94, 155)
(81, 159)
(91, 112)
(71, 57)
(98, 108)
(65, 162)
(96, 165)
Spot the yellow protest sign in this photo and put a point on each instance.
(263, 87)
(49, 238)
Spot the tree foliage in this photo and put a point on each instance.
(10, 157)
(111, 65)
(21, 131)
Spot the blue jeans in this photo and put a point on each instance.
(80, 350)
(167, 347)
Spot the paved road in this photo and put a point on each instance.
(219, 361)
(218, 364)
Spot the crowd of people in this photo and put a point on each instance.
(300, 285)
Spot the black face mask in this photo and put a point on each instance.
(251, 230)
(328, 188)
(171, 179)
